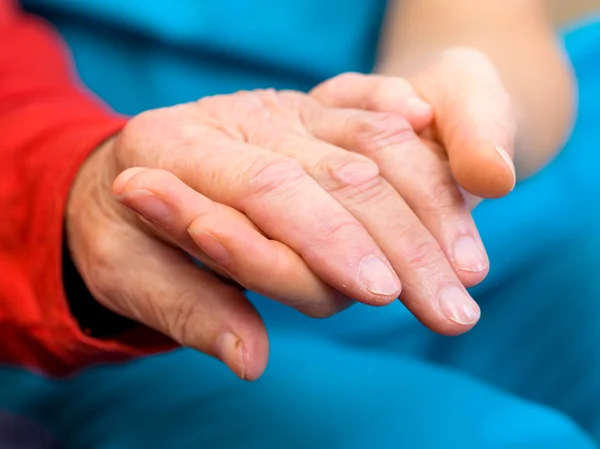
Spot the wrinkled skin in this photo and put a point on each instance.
(353, 192)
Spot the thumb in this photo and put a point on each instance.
(475, 120)
(144, 279)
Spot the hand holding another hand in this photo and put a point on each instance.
(312, 200)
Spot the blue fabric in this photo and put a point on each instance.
(526, 377)
(143, 54)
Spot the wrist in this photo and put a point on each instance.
(92, 318)
(89, 204)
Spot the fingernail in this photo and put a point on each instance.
(211, 245)
(230, 349)
(508, 161)
(125, 177)
(146, 204)
(378, 278)
(458, 306)
(419, 106)
(468, 255)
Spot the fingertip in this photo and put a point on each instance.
(241, 341)
(246, 358)
(458, 307)
(437, 321)
(468, 257)
(255, 357)
(451, 312)
(453, 330)
(229, 349)
(471, 279)
(192, 306)
(379, 280)
(449, 328)
(124, 177)
(485, 174)
(418, 113)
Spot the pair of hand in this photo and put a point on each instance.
(357, 191)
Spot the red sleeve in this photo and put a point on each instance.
(48, 126)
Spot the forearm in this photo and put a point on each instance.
(517, 36)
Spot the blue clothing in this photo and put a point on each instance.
(143, 54)
(528, 376)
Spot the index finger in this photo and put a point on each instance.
(277, 194)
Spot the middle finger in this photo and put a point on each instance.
(432, 290)
(419, 171)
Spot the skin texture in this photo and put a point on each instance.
(291, 198)
(517, 38)
(359, 191)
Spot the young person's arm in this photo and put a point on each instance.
(517, 37)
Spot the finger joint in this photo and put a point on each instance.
(379, 131)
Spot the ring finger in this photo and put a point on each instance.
(419, 171)
(432, 290)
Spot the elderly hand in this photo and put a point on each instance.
(310, 205)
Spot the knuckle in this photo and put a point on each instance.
(345, 170)
(240, 103)
(441, 197)
(272, 134)
(273, 175)
(222, 106)
(334, 231)
(146, 136)
(335, 235)
(226, 113)
(375, 192)
(265, 112)
(421, 254)
(378, 131)
(267, 100)
(181, 320)
(293, 100)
